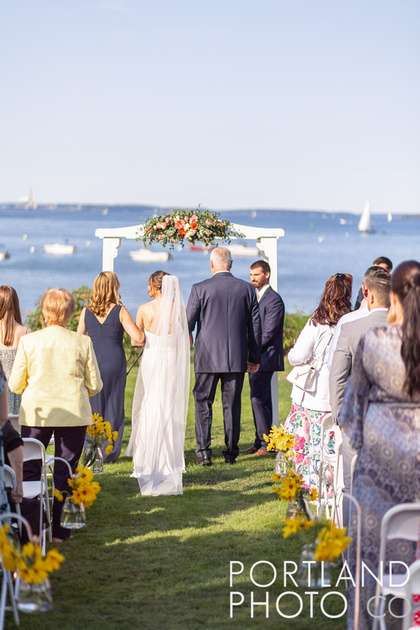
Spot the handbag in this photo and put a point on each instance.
(305, 377)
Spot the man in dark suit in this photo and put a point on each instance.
(272, 317)
(227, 344)
(376, 287)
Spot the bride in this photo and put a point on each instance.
(160, 400)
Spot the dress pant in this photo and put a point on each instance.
(204, 392)
(68, 444)
(262, 408)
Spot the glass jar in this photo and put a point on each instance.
(73, 516)
(34, 598)
(313, 574)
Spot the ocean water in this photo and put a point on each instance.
(315, 246)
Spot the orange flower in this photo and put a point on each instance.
(193, 225)
(182, 233)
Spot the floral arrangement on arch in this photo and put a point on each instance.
(331, 541)
(186, 226)
(31, 565)
(84, 489)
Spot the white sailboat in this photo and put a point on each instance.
(59, 249)
(365, 223)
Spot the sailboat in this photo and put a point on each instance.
(364, 223)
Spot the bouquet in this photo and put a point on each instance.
(32, 566)
(186, 226)
(84, 489)
(98, 433)
(331, 541)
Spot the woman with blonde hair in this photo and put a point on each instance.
(56, 372)
(11, 331)
(105, 320)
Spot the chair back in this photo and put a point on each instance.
(401, 521)
(9, 477)
(33, 449)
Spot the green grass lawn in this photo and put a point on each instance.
(164, 562)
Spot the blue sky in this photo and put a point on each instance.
(303, 104)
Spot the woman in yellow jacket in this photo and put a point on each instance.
(56, 372)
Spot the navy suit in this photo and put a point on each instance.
(226, 313)
(272, 318)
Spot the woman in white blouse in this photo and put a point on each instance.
(310, 405)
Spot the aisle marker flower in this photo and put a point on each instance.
(84, 489)
(331, 541)
(32, 566)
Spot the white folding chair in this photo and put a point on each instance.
(326, 461)
(8, 587)
(10, 482)
(33, 450)
(401, 521)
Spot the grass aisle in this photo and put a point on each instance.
(145, 562)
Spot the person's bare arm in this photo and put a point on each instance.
(81, 326)
(136, 334)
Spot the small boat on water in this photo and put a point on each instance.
(243, 250)
(59, 249)
(201, 248)
(147, 255)
(365, 222)
(4, 254)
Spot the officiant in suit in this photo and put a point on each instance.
(272, 318)
(227, 344)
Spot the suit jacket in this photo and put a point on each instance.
(225, 310)
(342, 362)
(56, 371)
(272, 318)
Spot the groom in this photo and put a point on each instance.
(227, 344)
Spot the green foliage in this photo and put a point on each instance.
(293, 325)
(35, 320)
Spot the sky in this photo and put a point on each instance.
(297, 104)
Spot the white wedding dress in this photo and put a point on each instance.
(160, 400)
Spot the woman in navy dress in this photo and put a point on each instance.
(105, 320)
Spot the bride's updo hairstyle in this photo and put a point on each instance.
(335, 300)
(105, 292)
(155, 279)
(405, 283)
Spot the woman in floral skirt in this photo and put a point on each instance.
(309, 407)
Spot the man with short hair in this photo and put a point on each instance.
(227, 344)
(272, 317)
(376, 287)
(381, 261)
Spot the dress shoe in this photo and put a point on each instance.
(261, 451)
(230, 461)
(203, 461)
(250, 451)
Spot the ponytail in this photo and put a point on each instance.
(405, 283)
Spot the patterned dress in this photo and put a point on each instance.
(383, 424)
(7, 358)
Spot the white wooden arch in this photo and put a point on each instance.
(266, 239)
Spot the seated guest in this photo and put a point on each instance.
(13, 457)
(11, 330)
(381, 261)
(381, 416)
(56, 372)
